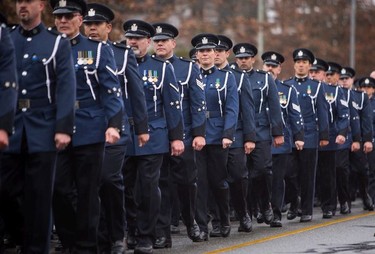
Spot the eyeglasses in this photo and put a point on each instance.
(67, 16)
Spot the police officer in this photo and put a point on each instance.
(8, 98)
(142, 164)
(43, 124)
(314, 112)
(293, 132)
(244, 141)
(222, 114)
(268, 125)
(99, 112)
(352, 142)
(338, 115)
(182, 169)
(97, 24)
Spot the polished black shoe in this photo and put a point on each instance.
(203, 237)
(175, 229)
(368, 204)
(131, 241)
(276, 223)
(260, 218)
(305, 218)
(143, 249)
(225, 231)
(194, 233)
(215, 231)
(245, 224)
(268, 216)
(327, 214)
(344, 208)
(118, 247)
(292, 214)
(162, 243)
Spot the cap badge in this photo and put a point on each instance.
(91, 13)
(242, 49)
(367, 81)
(300, 53)
(315, 62)
(273, 57)
(204, 40)
(159, 30)
(62, 3)
(343, 71)
(134, 27)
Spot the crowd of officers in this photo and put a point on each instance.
(105, 141)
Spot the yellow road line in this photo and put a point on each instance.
(297, 231)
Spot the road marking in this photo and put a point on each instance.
(294, 232)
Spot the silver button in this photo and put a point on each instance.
(26, 56)
(24, 109)
(29, 39)
(24, 73)
(24, 91)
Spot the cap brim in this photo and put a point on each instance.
(135, 35)
(94, 19)
(206, 47)
(161, 37)
(244, 55)
(271, 63)
(64, 11)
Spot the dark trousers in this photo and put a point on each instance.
(371, 162)
(280, 163)
(327, 168)
(112, 215)
(76, 203)
(342, 175)
(26, 197)
(259, 164)
(212, 174)
(142, 194)
(304, 164)
(359, 170)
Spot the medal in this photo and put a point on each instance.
(90, 59)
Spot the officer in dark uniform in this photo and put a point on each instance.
(352, 142)
(244, 140)
(97, 24)
(293, 133)
(182, 169)
(269, 125)
(315, 117)
(222, 114)
(99, 113)
(43, 125)
(338, 116)
(8, 98)
(142, 164)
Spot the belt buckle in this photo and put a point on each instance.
(23, 103)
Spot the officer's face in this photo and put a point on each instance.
(139, 45)
(318, 75)
(164, 48)
(369, 90)
(29, 10)
(97, 30)
(302, 67)
(346, 82)
(332, 78)
(245, 63)
(206, 57)
(274, 69)
(221, 57)
(68, 23)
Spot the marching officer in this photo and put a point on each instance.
(142, 164)
(99, 113)
(269, 125)
(43, 125)
(244, 140)
(97, 24)
(8, 98)
(222, 114)
(315, 117)
(182, 169)
(292, 129)
(338, 116)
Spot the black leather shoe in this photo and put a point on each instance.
(162, 243)
(245, 224)
(368, 204)
(268, 216)
(215, 231)
(143, 249)
(118, 247)
(131, 241)
(291, 215)
(203, 237)
(260, 218)
(276, 223)
(194, 233)
(327, 215)
(225, 231)
(344, 208)
(305, 218)
(175, 229)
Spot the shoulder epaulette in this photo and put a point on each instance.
(315, 80)
(285, 80)
(237, 70)
(97, 41)
(120, 45)
(285, 84)
(261, 71)
(186, 59)
(225, 70)
(13, 28)
(159, 58)
(54, 31)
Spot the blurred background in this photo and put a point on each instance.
(342, 31)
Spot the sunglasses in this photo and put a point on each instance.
(67, 16)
